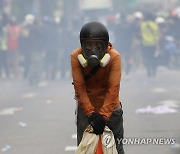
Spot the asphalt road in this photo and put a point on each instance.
(40, 119)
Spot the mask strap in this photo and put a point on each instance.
(91, 73)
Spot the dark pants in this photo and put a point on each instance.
(3, 63)
(150, 60)
(115, 123)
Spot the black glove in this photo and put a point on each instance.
(98, 123)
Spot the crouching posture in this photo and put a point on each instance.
(96, 72)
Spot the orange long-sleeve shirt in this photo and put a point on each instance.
(100, 93)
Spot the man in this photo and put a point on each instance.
(13, 33)
(150, 43)
(96, 72)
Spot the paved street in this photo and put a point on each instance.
(40, 119)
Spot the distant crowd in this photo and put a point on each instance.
(40, 48)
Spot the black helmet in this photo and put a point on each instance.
(94, 31)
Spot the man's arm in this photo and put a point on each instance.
(113, 87)
(80, 86)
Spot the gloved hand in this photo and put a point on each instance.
(98, 123)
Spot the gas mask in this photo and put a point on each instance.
(93, 54)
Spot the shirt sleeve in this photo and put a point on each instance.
(80, 86)
(112, 93)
